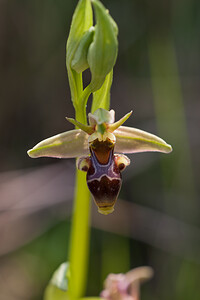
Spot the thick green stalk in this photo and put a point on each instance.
(80, 231)
(79, 243)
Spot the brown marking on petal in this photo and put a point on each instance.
(83, 163)
(102, 150)
(105, 191)
(121, 161)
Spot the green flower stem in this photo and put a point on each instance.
(80, 232)
(104, 47)
(79, 243)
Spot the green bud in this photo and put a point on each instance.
(79, 62)
(94, 48)
(102, 52)
(81, 22)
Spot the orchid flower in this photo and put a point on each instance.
(94, 145)
(126, 286)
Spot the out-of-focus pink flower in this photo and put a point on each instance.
(126, 286)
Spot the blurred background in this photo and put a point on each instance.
(157, 218)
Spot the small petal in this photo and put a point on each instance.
(88, 129)
(68, 144)
(122, 161)
(114, 126)
(101, 116)
(133, 140)
(139, 274)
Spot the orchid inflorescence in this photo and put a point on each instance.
(95, 47)
(99, 145)
(95, 145)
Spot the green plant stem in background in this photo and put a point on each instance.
(114, 259)
(171, 122)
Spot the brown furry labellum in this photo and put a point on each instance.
(103, 169)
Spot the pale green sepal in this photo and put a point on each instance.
(101, 116)
(68, 144)
(102, 52)
(114, 126)
(86, 128)
(101, 98)
(133, 140)
(79, 62)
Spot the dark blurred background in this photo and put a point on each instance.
(156, 220)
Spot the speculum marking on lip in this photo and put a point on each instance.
(102, 150)
(105, 192)
(103, 169)
(104, 182)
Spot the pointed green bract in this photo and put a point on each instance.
(101, 98)
(133, 140)
(102, 52)
(59, 278)
(69, 144)
(58, 285)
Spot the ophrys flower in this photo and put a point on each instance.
(126, 286)
(95, 145)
